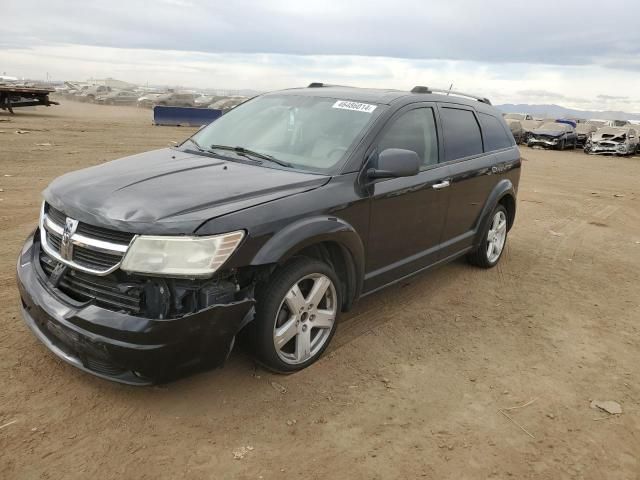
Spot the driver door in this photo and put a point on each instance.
(408, 213)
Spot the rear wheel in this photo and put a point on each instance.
(296, 315)
(493, 241)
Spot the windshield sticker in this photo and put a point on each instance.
(355, 106)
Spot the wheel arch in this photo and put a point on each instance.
(326, 238)
(504, 194)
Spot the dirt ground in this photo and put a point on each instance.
(414, 381)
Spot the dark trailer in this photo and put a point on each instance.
(13, 96)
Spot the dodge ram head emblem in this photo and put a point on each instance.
(66, 246)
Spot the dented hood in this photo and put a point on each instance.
(170, 192)
(611, 134)
(548, 133)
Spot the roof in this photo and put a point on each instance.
(375, 95)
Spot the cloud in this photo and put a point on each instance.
(612, 97)
(510, 51)
(503, 83)
(546, 96)
(493, 31)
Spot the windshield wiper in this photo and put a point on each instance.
(198, 146)
(250, 153)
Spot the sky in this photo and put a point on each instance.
(579, 54)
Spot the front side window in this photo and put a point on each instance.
(462, 136)
(414, 130)
(307, 132)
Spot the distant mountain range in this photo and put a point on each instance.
(557, 111)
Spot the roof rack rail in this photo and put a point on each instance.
(321, 84)
(421, 89)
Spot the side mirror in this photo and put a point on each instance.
(396, 162)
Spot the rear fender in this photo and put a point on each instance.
(503, 188)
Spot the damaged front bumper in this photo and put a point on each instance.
(121, 347)
(608, 148)
(543, 143)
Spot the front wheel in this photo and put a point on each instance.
(494, 238)
(296, 315)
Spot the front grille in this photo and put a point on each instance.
(99, 233)
(106, 291)
(90, 254)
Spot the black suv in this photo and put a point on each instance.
(268, 223)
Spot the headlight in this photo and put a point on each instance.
(180, 256)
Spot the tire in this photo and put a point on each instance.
(561, 145)
(275, 305)
(480, 257)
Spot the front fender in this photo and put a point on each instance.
(310, 231)
(504, 187)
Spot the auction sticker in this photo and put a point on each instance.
(355, 106)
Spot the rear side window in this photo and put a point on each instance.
(495, 137)
(462, 136)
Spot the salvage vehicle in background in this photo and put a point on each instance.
(90, 93)
(268, 222)
(148, 100)
(117, 98)
(528, 126)
(516, 129)
(613, 140)
(554, 134)
(175, 99)
(226, 104)
(518, 116)
(206, 100)
(585, 129)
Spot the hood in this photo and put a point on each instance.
(170, 192)
(610, 134)
(548, 133)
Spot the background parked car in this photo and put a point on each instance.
(227, 104)
(89, 94)
(117, 98)
(585, 129)
(528, 126)
(174, 99)
(516, 129)
(554, 134)
(206, 100)
(517, 116)
(613, 140)
(148, 100)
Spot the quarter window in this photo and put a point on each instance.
(495, 136)
(414, 130)
(462, 136)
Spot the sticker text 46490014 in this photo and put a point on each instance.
(355, 106)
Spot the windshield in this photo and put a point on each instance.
(310, 133)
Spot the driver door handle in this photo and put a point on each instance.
(441, 185)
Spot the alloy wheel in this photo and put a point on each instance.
(305, 319)
(496, 236)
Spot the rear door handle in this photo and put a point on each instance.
(441, 185)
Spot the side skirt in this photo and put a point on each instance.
(423, 269)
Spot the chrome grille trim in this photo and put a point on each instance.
(87, 242)
(47, 226)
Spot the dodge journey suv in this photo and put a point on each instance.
(265, 225)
